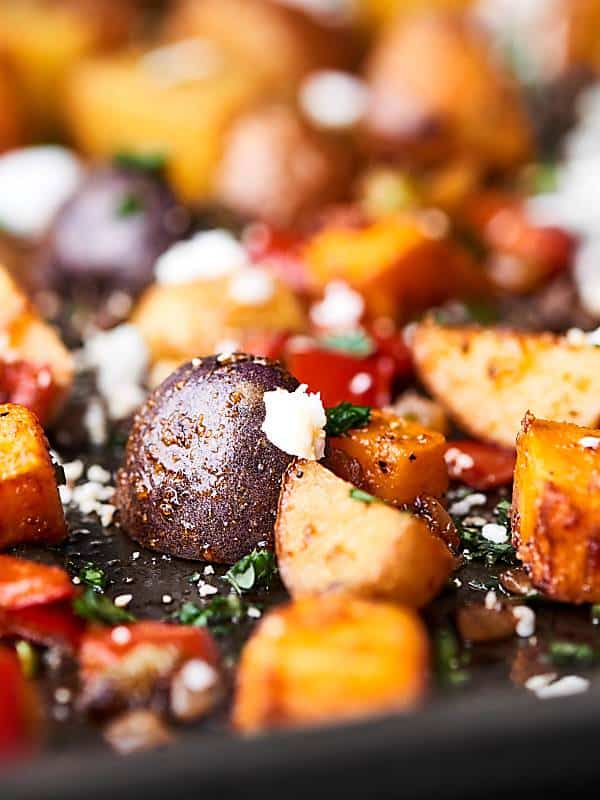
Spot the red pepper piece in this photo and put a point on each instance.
(25, 583)
(16, 708)
(50, 626)
(479, 465)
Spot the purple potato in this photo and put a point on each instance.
(108, 235)
(200, 479)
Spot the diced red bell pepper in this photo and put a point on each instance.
(54, 625)
(29, 385)
(339, 376)
(16, 707)
(102, 648)
(479, 465)
(269, 344)
(280, 251)
(25, 583)
(393, 344)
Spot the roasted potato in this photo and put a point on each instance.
(556, 508)
(268, 28)
(397, 263)
(277, 169)
(488, 378)
(393, 458)
(30, 508)
(182, 321)
(25, 338)
(323, 660)
(378, 13)
(416, 407)
(330, 537)
(200, 479)
(437, 93)
(177, 101)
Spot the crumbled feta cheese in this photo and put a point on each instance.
(295, 422)
(253, 612)
(98, 474)
(589, 442)
(540, 681)
(333, 99)
(361, 382)
(251, 286)
(94, 422)
(62, 695)
(121, 635)
(123, 600)
(166, 599)
(120, 357)
(135, 555)
(208, 570)
(197, 675)
(578, 338)
(106, 513)
(205, 589)
(184, 61)
(563, 687)
(525, 617)
(90, 498)
(459, 461)
(206, 256)
(491, 601)
(462, 507)
(73, 470)
(35, 183)
(340, 309)
(494, 533)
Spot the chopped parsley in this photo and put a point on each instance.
(449, 661)
(562, 652)
(129, 205)
(357, 343)
(544, 178)
(93, 576)
(218, 614)
(475, 547)
(365, 497)
(142, 162)
(502, 513)
(254, 570)
(343, 417)
(97, 607)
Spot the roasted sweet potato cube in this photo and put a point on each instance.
(397, 459)
(30, 507)
(488, 378)
(556, 508)
(331, 537)
(322, 660)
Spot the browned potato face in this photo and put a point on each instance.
(277, 41)
(437, 92)
(397, 459)
(323, 660)
(556, 508)
(329, 539)
(275, 168)
(488, 379)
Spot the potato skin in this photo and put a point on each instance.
(398, 459)
(488, 378)
(322, 660)
(328, 541)
(200, 480)
(30, 507)
(556, 509)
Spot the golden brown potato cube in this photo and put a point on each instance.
(556, 508)
(322, 660)
(487, 379)
(177, 101)
(30, 507)
(397, 459)
(182, 321)
(332, 537)
(437, 92)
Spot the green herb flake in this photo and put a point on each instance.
(218, 615)
(563, 652)
(475, 547)
(28, 658)
(364, 497)
(97, 607)
(345, 416)
(449, 662)
(93, 576)
(153, 162)
(502, 513)
(544, 178)
(252, 571)
(357, 343)
(129, 205)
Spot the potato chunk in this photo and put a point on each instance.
(488, 378)
(326, 659)
(397, 459)
(556, 508)
(30, 508)
(329, 539)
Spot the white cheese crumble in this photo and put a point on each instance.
(73, 470)
(90, 498)
(360, 383)
(98, 474)
(578, 338)
(208, 570)
(206, 256)
(525, 618)
(121, 635)
(494, 533)
(458, 460)
(333, 99)
(539, 681)
(120, 358)
(35, 182)
(253, 612)
(340, 309)
(166, 599)
(123, 600)
(295, 422)
(251, 286)
(462, 507)
(206, 589)
(491, 601)
(94, 422)
(563, 687)
(197, 675)
(589, 442)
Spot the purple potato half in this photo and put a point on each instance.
(200, 479)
